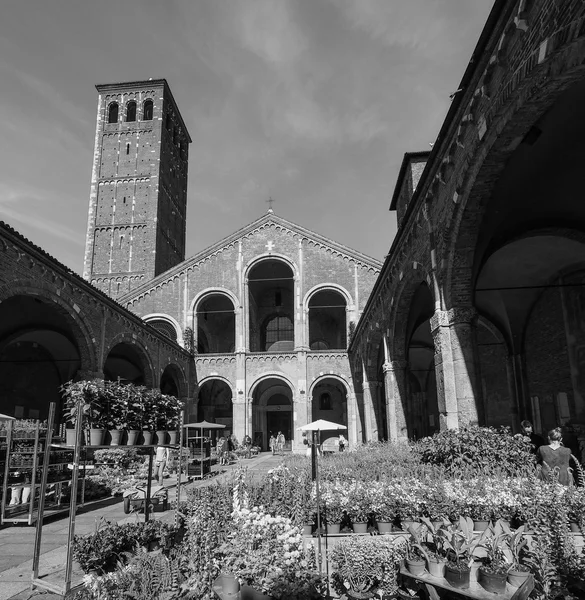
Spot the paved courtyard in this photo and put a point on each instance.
(17, 542)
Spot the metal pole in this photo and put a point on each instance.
(73, 503)
(180, 469)
(317, 497)
(148, 485)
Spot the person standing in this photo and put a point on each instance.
(342, 443)
(160, 462)
(555, 457)
(280, 442)
(272, 443)
(536, 440)
(248, 445)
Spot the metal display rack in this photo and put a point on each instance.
(30, 461)
(78, 465)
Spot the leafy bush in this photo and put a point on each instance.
(367, 564)
(101, 550)
(478, 451)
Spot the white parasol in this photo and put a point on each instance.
(322, 425)
(6, 418)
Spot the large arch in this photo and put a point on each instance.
(127, 360)
(42, 346)
(520, 230)
(271, 398)
(173, 381)
(271, 286)
(165, 324)
(215, 403)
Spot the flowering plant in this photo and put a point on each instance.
(383, 502)
(268, 554)
(409, 499)
(88, 394)
(359, 504)
(334, 500)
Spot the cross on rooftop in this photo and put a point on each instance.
(270, 201)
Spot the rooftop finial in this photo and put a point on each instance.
(270, 202)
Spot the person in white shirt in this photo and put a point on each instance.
(160, 462)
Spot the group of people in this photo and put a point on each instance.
(553, 457)
(277, 443)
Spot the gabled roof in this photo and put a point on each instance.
(265, 220)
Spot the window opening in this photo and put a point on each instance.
(131, 112)
(113, 113)
(147, 110)
(279, 329)
(127, 149)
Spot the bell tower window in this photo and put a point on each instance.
(113, 112)
(147, 111)
(131, 112)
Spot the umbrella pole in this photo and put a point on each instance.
(318, 498)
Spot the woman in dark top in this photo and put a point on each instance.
(555, 457)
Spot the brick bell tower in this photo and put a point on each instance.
(138, 202)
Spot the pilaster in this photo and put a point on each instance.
(456, 366)
(394, 392)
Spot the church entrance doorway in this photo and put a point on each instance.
(272, 412)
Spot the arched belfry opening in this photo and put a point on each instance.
(423, 410)
(327, 321)
(214, 404)
(216, 324)
(272, 411)
(271, 307)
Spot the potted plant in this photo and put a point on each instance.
(459, 545)
(493, 573)
(334, 499)
(358, 507)
(436, 533)
(134, 411)
(115, 404)
(383, 506)
(518, 548)
(149, 415)
(363, 567)
(86, 393)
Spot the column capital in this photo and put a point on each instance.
(394, 365)
(452, 316)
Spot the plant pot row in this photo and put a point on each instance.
(461, 578)
(119, 437)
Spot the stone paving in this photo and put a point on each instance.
(17, 541)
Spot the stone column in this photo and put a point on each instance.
(394, 394)
(368, 406)
(456, 366)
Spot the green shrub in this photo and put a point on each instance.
(478, 451)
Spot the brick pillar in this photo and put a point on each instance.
(394, 393)
(456, 366)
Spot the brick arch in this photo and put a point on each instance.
(145, 360)
(399, 320)
(539, 92)
(272, 375)
(179, 375)
(81, 330)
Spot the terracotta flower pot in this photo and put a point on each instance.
(575, 527)
(517, 578)
(492, 582)
(173, 437)
(308, 529)
(161, 436)
(416, 566)
(96, 437)
(132, 437)
(436, 566)
(384, 527)
(147, 436)
(70, 437)
(116, 436)
(360, 527)
(480, 525)
(333, 528)
(458, 578)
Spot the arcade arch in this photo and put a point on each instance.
(215, 404)
(126, 363)
(272, 411)
(329, 401)
(39, 352)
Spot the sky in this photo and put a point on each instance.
(310, 102)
